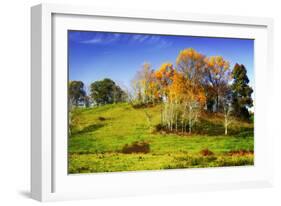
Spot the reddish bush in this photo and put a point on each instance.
(136, 147)
(102, 118)
(206, 152)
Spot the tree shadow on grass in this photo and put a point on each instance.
(90, 128)
(204, 127)
(245, 133)
(208, 127)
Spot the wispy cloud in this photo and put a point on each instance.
(92, 41)
(102, 38)
(164, 44)
(158, 41)
(105, 38)
(139, 38)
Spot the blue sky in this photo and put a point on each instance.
(98, 55)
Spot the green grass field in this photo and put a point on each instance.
(99, 136)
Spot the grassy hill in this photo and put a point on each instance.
(111, 137)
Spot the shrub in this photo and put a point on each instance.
(206, 152)
(159, 127)
(102, 118)
(136, 147)
(141, 105)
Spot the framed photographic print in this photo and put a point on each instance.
(133, 102)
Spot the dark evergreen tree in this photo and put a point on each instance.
(241, 92)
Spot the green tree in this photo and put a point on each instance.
(76, 92)
(106, 92)
(241, 92)
(87, 101)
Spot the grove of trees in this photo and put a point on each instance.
(102, 92)
(196, 83)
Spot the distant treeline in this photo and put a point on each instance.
(102, 92)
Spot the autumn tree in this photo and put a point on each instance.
(144, 84)
(175, 92)
(195, 82)
(217, 77)
(163, 77)
(184, 103)
(241, 92)
(193, 103)
(190, 64)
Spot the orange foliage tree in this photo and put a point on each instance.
(186, 101)
(163, 77)
(183, 91)
(191, 64)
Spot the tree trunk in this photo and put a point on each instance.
(161, 115)
(176, 122)
(189, 120)
(189, 130)
(217, 104)
(182, 126)
(189, 124)
(225, 124)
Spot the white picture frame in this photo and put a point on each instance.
(49, 178)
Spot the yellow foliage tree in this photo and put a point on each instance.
(191, 64)
(183, 90)
(144, 84)
(185, 102)
(163, 77)
(218, 76)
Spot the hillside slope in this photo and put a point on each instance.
(99, 136)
